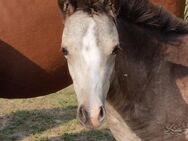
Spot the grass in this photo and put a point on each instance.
(49, 118)
(186, 11)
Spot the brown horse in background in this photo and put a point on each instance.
(31, 63)
(175, 6)
(30, 34)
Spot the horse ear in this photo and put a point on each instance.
(113, 7)
(68, 7)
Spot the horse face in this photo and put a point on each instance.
(89, 44)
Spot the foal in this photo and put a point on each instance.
(128, 61)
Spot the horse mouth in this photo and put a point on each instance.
(91, 122)
(90, 125)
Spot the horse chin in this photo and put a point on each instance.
(91, 117)
(90, 125)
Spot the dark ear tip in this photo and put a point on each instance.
(67, 6)
(60, 3)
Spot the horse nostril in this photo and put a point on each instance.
(83, 115)
(102, 114)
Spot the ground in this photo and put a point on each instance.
(49, 118)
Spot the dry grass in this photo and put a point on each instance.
(49, 118)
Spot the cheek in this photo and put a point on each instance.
(110, 67)
(75, 73)
(78, 74)
(71, 69)
(73, 76)
(108, 74)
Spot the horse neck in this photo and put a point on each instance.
(143, 80)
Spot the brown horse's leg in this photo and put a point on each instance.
(175, 6)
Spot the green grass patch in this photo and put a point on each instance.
(49, 118)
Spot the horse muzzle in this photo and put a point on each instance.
(91, 118)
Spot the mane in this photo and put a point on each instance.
(141, 49)
(143, 12)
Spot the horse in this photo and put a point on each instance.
(129, 65)
(31, 64)
(176, 6)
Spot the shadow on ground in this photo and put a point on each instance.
(21, 124)
(98, 135)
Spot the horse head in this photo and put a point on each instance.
(90, 42)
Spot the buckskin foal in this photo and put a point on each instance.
(128, 61)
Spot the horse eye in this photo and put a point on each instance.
(115, 50)
(65, 51)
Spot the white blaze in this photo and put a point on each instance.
(92, 57)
